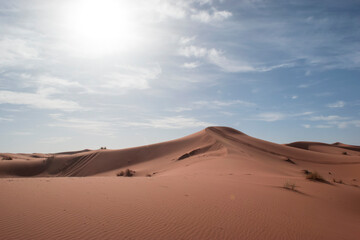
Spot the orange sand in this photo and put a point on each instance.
(215, 184)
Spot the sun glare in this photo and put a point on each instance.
(101, 27)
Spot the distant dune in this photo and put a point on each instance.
(218, 183)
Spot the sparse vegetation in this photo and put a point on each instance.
(126, 173)
(148, 175)
(338, 181)
(7, 158)
(103, 148)
(315, 176)
(290, 161)
(290, 186)
(345, 153)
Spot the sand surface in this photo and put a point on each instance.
(215, 184)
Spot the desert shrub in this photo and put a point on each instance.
(338, 181)
(315, 176)
(126, 173)
(290, 186)
(344, 153)
(7, 158)
(290, 161)
(148, 175)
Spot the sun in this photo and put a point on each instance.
(101, 26)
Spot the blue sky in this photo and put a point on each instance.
(85, 74)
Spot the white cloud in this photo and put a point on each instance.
(37, 101)
(166, 9)
(225, 103)
(217, 58)
(181, 109)
(54, 140)
(300, 114)
(345, 124)
(335, 121)
(294, 97)
(327, 118)
(306, 125)
(276, 116)
(82, 124)
(56, 82)
(186, 40)
(191, 65)
(21, 133)
(338, 104)
(178, 122)
(271, 116)
(323, 126)
(49, 85)
(15, 51)
(130, 77)
(304, 85)
(213, 105)
(6, 119)
(207, 16)
(193, 51)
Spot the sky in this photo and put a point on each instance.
(78, 74)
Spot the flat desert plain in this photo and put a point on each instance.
(218, 183)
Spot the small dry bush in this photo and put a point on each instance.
(338, 181)
(126, 173)
(7, 158)
(290, 186)
(315, 176)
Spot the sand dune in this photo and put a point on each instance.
(218, 183)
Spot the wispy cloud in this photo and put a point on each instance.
(14, 51)
(21, 133)
(277, 116)
(5, 119)
(214, 104)
(36, 100)
(323, 126)
(131, 77)
(191, 65)
(82, 124)
(54, 140)
(271, 116)
(181, 109)
(327, 118)
(186, 40)
(339, 124)
(332, 121)
(218, 58)
(177, 122)
(217, 103)
(210, 16)
(338, 104)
